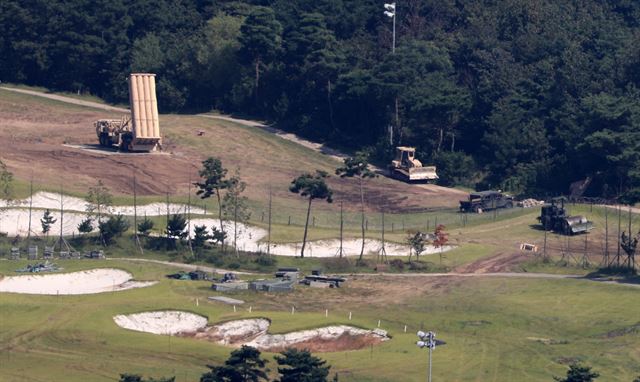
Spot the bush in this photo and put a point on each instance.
(112, 228)
(266, 261)
(233, 265)
(454, 168)
(215, 259)
(397, 264)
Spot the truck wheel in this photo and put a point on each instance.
(509, 205)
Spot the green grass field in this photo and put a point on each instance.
(496, 329)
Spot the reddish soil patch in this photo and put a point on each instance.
(502, 262)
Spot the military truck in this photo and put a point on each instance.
(554, 217)
(485, 201)
(407, 168)
(141, 131)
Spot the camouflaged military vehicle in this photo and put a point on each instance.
(485, 201)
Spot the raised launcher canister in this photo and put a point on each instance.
(141, 130)
(144, 113)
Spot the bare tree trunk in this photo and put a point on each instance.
(453, 141)
(398, 130)
(220, 218)
(235, 225)
(306, 226)
(269, 231)
(257, 84)
(440, 139)
(362, 222)
(333, 125)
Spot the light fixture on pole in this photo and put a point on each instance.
(390, 11)
(427, 340)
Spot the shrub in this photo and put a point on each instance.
(266, 261)
(397, 264)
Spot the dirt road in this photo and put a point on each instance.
(56, 97)
(188, 267)
(525, 275)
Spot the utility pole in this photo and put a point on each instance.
(61, 215)
(30, 206)
(390, 11)
(167, 226)
(606, 237)
(269, 230)
(189, 216)
(427, 340)
(383, 250)
(341, 249)
(135, 214)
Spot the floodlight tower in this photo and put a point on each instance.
(390, 11)
(427, 340)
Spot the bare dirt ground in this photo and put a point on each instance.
(44, 139)
(502, 262)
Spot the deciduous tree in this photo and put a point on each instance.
(311, 187)
(213, 182)
(358, 167)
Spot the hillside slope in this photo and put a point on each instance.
(49, 140)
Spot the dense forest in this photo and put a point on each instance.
(522, 95)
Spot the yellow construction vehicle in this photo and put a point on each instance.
(406, 167)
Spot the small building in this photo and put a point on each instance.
(230, 287)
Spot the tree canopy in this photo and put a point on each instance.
(519, 95)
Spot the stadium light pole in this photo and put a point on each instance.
(427, 340)
(390, 11)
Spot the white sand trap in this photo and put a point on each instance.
(169, 322)
(15, 221)
(235, 332)
(351, 247)
(325, 335)
(83, 282)
(250, 239)
(44, 200)
(252, 332)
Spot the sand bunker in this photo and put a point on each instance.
(169, 322)
(252, 332)
(329, 338)
(249, 239)
(236, 332)
(83, 282)
(44, 200)
(15, 221)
